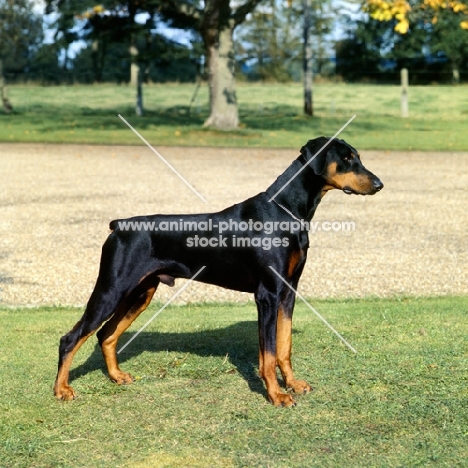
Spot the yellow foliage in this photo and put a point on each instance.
(96, 10)
(434, 4)
(458, 7)
(386, 10)
(402, 26)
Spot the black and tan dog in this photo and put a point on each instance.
(135, 260)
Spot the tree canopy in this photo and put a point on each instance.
(139, 41)
(404, 12)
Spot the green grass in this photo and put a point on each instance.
(401, 401)
(271, 116)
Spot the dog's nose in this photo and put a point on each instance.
(378, 184)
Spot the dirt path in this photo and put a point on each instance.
(56, 202)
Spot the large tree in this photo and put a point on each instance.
(109, 21)
(268, 43)
(215, 20)
(20, 36)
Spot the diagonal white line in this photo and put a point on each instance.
(314, 311)
(161, 309)
(313, 157)
(292, 215)
(163, 160)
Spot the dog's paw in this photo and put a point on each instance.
(299, 386)
(64, 392)
(121, 378)
(282, 400)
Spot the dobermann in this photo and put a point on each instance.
(142, 251)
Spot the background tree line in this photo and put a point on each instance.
(267, 44)
(129, 41)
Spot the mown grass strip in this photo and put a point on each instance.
(197, 401)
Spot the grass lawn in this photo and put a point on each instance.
(401, 401)
(271, 116)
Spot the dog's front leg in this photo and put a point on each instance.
(284, 342)
(283, 353)
(267, 306)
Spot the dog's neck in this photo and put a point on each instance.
(298, 189)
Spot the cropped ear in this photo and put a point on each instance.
(314, 155)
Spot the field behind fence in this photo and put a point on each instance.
(271, 116)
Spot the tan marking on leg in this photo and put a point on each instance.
(283, 345)
(293, 261)
(283, 353)
(276, 396)
(111, 332)
(62, 390)
(260, 363)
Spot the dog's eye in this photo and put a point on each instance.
(349, 157)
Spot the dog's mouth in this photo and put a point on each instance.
(371, 191)
(350, 191)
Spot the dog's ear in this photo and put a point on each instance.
(314, 155)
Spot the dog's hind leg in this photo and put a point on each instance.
(108, 335)
(117, 278)
(100, 307)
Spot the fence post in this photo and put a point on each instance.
(404, 93)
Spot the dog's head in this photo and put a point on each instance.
(339, 164)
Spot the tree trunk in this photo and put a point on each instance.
(216, 20)
(221, 69)
(3, 91)
(98, 51)
(455, 73)
(95, 56)
(307, 61)
(139, 99)
(149, 46)
(136, 79)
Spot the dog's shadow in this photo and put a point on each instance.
(239, 342)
